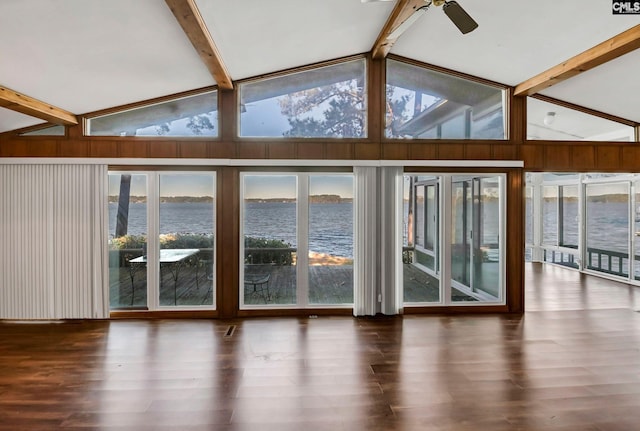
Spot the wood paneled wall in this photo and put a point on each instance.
(537, 156)
(256, 149)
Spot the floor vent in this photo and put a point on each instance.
(230, 330)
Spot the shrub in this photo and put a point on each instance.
(128, 242)
(269, 256)
(172, 240)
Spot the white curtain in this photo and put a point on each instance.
(378, 240)
(366, 241)
(53, 262)
(391, 239)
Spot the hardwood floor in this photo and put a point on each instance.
(571, 362)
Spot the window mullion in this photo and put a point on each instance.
(153, 243)
(445, 251)
(302, 256)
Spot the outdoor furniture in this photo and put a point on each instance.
(205, 260)
(260, 283)
(172, 259)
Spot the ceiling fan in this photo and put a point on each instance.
(451, 8)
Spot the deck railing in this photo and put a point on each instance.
(598, 259)
(609, 262)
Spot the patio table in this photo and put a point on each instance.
(173, 259)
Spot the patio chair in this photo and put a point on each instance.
(260, 283)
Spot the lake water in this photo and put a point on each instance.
(331, 228)
(607, 225)
(330, 225)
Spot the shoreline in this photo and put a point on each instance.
(318, 259)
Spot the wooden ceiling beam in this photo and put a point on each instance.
(400, 13)
(28, 105)
(608, 50)
(192, 23)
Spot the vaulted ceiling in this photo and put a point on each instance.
(82, 56)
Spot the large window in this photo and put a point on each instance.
(560, 220)
(184, 117)
(326, 102)
(161, 246)
(422, 103)
(548, 121)
(454, 225)
(591, 222)
(298, 240)
(607, 228)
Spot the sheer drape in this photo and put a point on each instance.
(52, 242)
(366, 241)
(377, 251)
(391, 239)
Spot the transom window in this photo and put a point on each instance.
(327, 102)
(423, 103)
(184, 117)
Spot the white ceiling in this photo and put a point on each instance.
(84, 56)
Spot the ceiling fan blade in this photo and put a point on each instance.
(459, 17)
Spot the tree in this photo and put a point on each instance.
(339, 111)
(397, 112)
(333, 111)
(197, 124)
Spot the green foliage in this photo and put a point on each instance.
(407, 256)
(268, 256)
(172, 241)
(128, 242)
(189, 240)
(250, 242)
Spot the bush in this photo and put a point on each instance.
(173, 241)
(128, 242)
(188, 240)
(269, 256)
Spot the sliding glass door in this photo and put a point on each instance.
(461, 228)
(330, 233)
(128, 231)
(421, 251)
(162, 246)
(185, 239)
(457, 222)
(475, 251)
(297, 247)
(270, 232)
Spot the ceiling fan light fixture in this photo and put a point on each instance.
(549, 118)
(459, 17)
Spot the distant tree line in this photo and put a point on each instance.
(166, 199)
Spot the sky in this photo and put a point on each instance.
(284, 186)
(256, 186)
(263, 118)
(191, 184)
